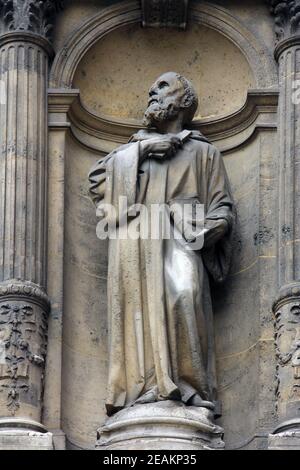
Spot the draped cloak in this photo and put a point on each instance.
(160, 322)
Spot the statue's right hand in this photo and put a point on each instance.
(160, 147)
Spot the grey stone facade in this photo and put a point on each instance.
(73, 86)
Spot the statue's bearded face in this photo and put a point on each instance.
(165, 100)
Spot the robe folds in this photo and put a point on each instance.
(160, 320)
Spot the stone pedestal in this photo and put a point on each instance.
(166, 425)
(286, 436)
(21, 434)
(289, 440)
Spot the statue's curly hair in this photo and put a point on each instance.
(190, 102)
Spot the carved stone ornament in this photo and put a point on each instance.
(19, 323)
(23, 341)
(288, 352)
(287, 344)
(35, 16)
(27, 289)
(287, 17)
(165, 13)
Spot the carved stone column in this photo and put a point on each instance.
(287, 306)
(24, 306)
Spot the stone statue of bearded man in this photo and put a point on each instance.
(161, 338)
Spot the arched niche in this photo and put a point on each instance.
(115, 74)
(98, 126)
(105, 56)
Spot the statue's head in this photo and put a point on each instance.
(171, 96)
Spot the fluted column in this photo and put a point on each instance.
(287, 305)
(23, 117)
(24, 305)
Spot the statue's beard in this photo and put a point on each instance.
(157, 113)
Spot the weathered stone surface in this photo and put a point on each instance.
(287, 302)
(23, 165)
(108, 87)
(289, 440)
(24, 304)
(23, 340)
(165, 425)
(24, 434)
(287, 17)
(110, 61)
(244, 322)
(25, 440)
(29, 15)
(59, 103)
(25, 27)
(165, 13)
(287, 343)
(158, 285)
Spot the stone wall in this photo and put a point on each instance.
(128, 59)
(102, 56)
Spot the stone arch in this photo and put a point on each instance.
(129, 12)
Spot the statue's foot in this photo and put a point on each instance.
(148, 397)
(196, 400)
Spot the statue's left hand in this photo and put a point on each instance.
(214, 231)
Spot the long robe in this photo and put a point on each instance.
(161, 337)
